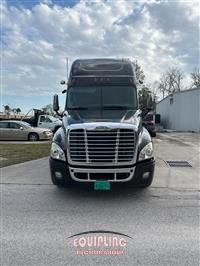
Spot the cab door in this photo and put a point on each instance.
(45, 122)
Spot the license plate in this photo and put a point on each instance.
(101, 186)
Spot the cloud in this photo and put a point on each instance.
(37, 40)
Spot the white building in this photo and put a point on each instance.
(181, 110)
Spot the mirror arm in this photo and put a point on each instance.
(59, 114)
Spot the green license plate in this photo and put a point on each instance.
(101, 186)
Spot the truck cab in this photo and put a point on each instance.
(42, 120)
(102, 139)
(50, 122)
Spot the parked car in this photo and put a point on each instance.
(149, 123)
(18, 130)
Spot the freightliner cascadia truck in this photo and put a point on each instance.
(102, 140)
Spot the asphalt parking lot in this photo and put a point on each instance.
(163, 220)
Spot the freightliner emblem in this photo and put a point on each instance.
(102, 128)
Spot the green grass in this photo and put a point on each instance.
(18, 153)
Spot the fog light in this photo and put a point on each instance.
(58, 175)
(146, 175)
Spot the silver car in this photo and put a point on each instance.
(18, 130)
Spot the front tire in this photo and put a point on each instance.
(33, 137)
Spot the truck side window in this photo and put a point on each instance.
(47, 120)
(42, 118)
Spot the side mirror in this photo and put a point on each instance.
(21, 128)
(62, 82)
(157, 118)
(55, 103)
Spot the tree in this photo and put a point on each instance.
(142, 96)
(48, 109)
(153, 88)
(175, 77)
(139, 73)
(163, 85)
(18, 110)
(195, 75)
(14, 110)
(171, 81)
(7, 109)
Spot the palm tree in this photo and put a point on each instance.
(7, 109)
(18, 110)
(14, 110)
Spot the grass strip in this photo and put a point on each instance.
(19, 153)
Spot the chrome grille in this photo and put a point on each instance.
(101, 146)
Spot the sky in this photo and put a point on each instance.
(37, 36)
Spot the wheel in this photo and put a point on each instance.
(33, 137)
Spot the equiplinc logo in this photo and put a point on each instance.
(104, 242)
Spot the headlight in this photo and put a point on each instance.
(146, 152)
(57, 152)
(46, 132)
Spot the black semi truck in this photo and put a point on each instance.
(102, 139)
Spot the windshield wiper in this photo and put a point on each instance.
(117, 107)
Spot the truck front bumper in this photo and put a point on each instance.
(141, 171)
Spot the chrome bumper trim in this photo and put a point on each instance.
(73, 170)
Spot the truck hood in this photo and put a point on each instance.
(73, 117)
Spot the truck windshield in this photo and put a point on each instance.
(110, 97)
